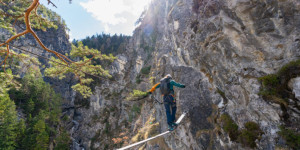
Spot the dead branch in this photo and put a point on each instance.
(49, 2)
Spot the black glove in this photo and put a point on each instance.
(149, 92)
(183, 86)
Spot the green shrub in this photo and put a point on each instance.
(274, 86)
(289, 66)
(138, 79)
(270, 87)
(248, 135)
(106, 146)
(245, 136)
(144, 73)
(229, 126)
(148, 48)
(146, 70)
(221, 92)
(135, 110)
(107, 128)
(62, 140)
(291, 137)
(269, 80)
(222, 95)
(65, 118)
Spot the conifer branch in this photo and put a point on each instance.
(6, 14)
(84, 63)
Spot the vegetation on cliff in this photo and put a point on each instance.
(274, 86)
(292, 138)
(246, 136)
(275, 89)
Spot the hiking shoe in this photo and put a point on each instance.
(171, 128)
(174, 124)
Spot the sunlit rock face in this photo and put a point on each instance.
(218, 49)
(212, 45)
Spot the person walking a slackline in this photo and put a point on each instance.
(166, 87)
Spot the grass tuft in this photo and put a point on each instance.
(248, 135)
(291, 137)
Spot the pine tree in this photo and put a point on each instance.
(20, 133)
(63, 141)
(29, 106)
(42, 138)
(8, 123)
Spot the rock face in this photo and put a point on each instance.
(218, 49)
(294, 84)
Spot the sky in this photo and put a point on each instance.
(89, 17)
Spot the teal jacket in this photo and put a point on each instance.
(172, 83)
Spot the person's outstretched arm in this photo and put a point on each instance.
(177, 84)
(157, 85)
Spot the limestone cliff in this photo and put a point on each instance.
(219, 49)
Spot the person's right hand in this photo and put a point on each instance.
(183, 86)
(149, 93)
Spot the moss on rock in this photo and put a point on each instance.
(246, 136)
(250, 134)
(229, 126)
(291, 137)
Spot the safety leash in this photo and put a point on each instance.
(156, 100)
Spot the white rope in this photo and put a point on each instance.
(135, 144)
